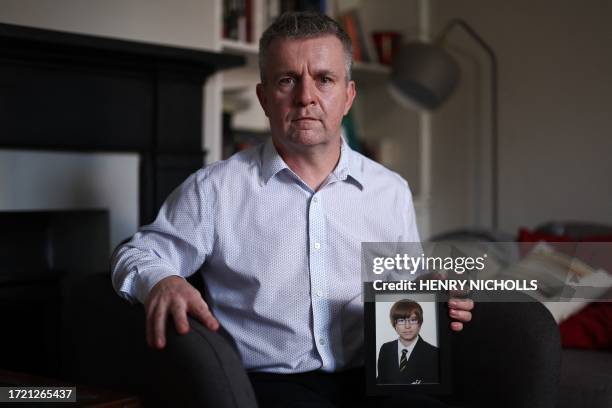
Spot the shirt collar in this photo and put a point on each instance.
(348, 165)
(401, 347)
(271, 162)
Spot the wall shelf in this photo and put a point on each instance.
(370, 73)
(239, 47)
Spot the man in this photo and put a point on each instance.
(277, 229)
(409, 359)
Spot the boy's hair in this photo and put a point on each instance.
(403, 309)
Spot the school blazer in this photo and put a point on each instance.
(422, 365)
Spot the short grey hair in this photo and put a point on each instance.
(300, 25)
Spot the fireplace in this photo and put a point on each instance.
(63, 92)
(69, 92)
(41, 254)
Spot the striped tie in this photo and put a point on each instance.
(403, 360)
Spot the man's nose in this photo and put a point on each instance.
(305, 92)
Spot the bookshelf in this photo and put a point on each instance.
(240, 104)
(399, 138)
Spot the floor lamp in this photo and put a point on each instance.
(425, 74)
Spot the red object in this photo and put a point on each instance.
(525, 235)
(387, 44)
(350, 25)
(591, 328)
(529, 239)
(248, 12)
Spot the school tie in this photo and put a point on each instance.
(403, 360)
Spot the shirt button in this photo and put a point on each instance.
(317, 245)
(319, 293)
(322, 341)
(315, 199)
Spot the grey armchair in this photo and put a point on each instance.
(509, 355)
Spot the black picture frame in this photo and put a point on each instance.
(381, 299)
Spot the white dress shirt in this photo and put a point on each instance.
(281, 262)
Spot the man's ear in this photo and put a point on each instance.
(263, 100)
(351, 92)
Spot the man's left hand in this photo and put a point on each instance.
(460, 311)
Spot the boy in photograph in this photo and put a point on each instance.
(409, 359)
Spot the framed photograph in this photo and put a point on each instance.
(407, 343)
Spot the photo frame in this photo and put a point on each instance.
(427, 368)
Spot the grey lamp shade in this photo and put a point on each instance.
(424, 73)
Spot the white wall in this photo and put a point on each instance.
(381, 121)
(30, 180)
(240, 97)
(555, 97)
(43, 181)
(183, 23)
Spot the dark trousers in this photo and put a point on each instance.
(327, 390)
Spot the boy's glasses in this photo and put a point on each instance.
(406, 322)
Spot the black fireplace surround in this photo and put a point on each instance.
(69, 92)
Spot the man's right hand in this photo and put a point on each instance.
(174, 295)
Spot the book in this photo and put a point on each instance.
(353, 27)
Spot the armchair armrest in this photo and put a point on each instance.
(508, 356)
(104, 345)
(201, 369)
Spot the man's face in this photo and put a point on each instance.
(305, 92)
(408, 328)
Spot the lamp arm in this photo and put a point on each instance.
(457, 22)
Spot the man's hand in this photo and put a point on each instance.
(174, 295)
(460, 310)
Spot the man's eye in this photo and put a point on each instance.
(287, 81)
(325, 80)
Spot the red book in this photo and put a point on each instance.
(248, 11)
(350, 25)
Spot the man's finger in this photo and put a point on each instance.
(159, 326)
(201, 312)
(179, 315)
(460, 315)
(150, 333)
(461, 304)
(456, 326)
(459, 294)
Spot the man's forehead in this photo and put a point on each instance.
(296, 41)
(322, 52)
